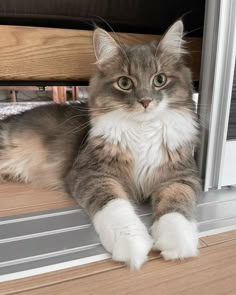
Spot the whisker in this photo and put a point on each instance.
(93, 120)
(92, 108)
(201, 123)
(194, 30)
(77, 129)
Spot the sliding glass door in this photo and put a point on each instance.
(217, 108)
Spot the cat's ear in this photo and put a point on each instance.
(172, 42)
(105, 47)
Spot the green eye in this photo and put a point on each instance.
(159, 80)
(125, 83)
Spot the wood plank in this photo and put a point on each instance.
(37, 208)
(64, 275)
(50, 54)
(58, 276)
(67, 274)
(220, 238)
(24, 88)
(202, 244)
(213, 273)
(20, 198)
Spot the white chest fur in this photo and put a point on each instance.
(147, 137)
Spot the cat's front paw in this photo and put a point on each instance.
(132, 249)
(175, 236)
(122, 233)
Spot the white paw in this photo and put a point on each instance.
(175, 236)
(132, 248)
(122, 233)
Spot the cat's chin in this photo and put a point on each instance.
(146, 115)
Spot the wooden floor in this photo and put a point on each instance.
(212, 273)
(19, 199)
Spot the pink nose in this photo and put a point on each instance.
(144, 102)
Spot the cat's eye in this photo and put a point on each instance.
(159, 80)
(125, 83)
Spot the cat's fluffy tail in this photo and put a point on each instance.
(24, 157)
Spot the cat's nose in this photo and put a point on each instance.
(145, 102)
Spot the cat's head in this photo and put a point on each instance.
(140, 80)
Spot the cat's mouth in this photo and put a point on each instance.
(154, 110)
(149, 105)
(145, 114)
(150, 108)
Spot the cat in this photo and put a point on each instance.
(131, 142)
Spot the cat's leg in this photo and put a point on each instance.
(120, 230)
(175, 230)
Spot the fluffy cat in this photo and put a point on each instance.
(131, 142)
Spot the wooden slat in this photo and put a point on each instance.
(58, 276)
(213, 273)
(64, 275)
(50, 54)
(67, 274)
(220, 238)
(19, 199)
(37, 208)
(202, 244)
(24, 88)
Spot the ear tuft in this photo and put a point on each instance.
(105, 47)
(172, 41)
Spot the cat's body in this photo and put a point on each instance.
(149, 144)
(39, 146)
(137, 153)
(133, 142)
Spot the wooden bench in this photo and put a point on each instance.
(61, 55)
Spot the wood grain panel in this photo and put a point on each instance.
(37, 208)
(58, 276)
(67, 274)
(201, 244)
(220, 238)
(213, 273)
(20, 198)
(64, 275)
(49, 54)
